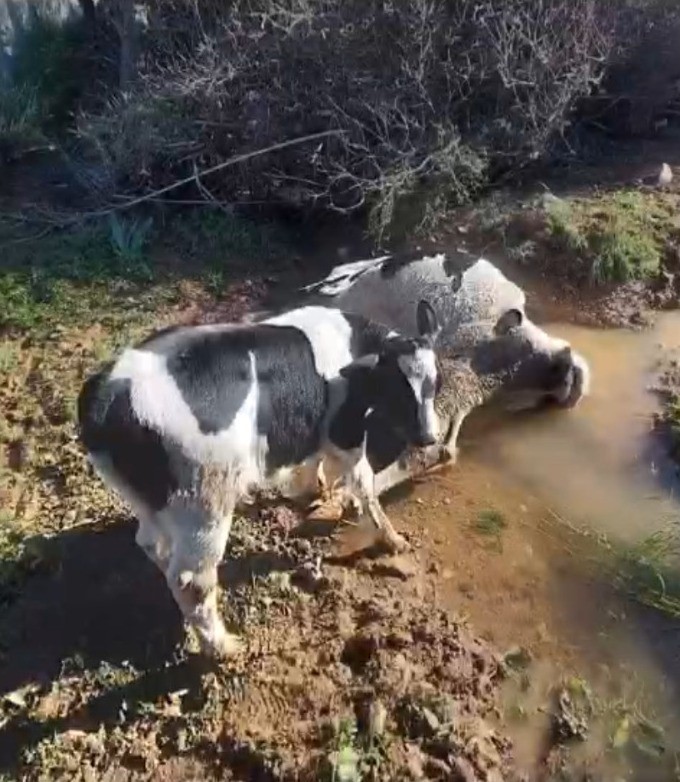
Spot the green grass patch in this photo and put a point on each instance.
(621, 235)
(354, 755)
(649, 571)
(224, 241)
(490, 522)
(126, 265)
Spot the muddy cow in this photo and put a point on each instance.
(490, 351)
(191, 421)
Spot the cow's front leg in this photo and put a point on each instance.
(334, 495)
(356, 488)
(449, 445)
(362, 486)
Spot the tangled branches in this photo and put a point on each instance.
(435, 97)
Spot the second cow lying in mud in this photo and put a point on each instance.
(188, 423)
(490, 351)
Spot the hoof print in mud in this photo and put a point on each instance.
(358, 652)
(400, 567)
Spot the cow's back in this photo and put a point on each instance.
(246, 398)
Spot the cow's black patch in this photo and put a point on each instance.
(214, 373)
(453, 271)
(293, 397)
(383, 446)
(456, 264)
(396, 262)
(381, 394)
(504, 355)
(108, 426)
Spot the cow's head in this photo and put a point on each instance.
(519, 365)
(399, 384)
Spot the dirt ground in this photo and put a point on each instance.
(349, 657)
(353, 670)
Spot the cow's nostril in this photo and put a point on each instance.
(426, 439)
(562, 368)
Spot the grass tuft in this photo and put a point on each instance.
(490, 522)
(621, 235)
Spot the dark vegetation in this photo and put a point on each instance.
(432, 101)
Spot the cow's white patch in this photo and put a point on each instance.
(329, 333)
(420, 369)
(582, 365)
(417, 368)
(158, 403)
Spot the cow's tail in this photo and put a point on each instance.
(341, 278)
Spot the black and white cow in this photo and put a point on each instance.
(191, 421)
(489, 350)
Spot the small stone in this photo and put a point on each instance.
(400, 639)
(665, 176)
(660, 177)
(550, 200)
(431, 720)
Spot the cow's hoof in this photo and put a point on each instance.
(394, 543)
(325, 510)
(334, 507)
(224, 646)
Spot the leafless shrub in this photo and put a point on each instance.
(642, 85)
(435, 97)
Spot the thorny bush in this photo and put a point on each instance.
(435, 98)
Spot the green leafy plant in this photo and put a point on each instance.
(346, 759)
(129, 238)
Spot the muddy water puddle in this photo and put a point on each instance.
(498, 524)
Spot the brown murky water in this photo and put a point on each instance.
(597, 466)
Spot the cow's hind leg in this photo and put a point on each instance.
(150, 536)
(199, 538)
(152, 540)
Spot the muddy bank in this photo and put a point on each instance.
(350, 665)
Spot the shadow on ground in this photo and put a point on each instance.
(100, 603)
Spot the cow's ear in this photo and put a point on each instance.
(426, 318)
(508, 321)
(361, 364)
